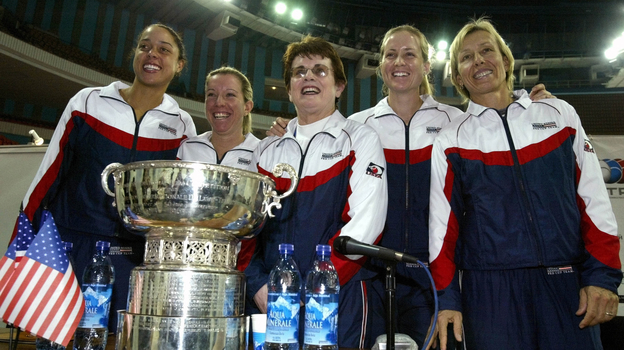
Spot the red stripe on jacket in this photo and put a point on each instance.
(525, 154)
(397, 156)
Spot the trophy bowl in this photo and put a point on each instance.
(187, 294)
(194, 195)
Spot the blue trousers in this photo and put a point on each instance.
(532, 308)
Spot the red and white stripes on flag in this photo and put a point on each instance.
(43, 296)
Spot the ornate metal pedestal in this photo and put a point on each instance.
(188, 293)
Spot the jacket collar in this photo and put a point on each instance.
(383, 108)
(168, 104)
(334, 126)
(250, 141)
(521, 97)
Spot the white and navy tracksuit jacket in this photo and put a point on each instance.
(520, 191)
(96, 129)
(200, 149)
(342, 191)
(407, 149)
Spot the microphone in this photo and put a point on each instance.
(349, 246)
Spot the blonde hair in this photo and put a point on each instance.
(474, 25)
(245, 88)
(425, 85)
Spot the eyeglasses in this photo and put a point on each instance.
(319, 70)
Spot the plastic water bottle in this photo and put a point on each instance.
(97, 288)
(43, 343)
(284, 298)
(321, 296)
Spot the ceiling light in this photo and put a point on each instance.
(442, 45)
(611, 53)
(616, 48)
(296, 14)
(280, 8)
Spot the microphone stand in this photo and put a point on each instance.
(390, 302)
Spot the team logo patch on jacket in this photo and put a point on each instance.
(559, 270)
(328, 156)
(588, 147)
(544, 126)
(117, 250)
(433, 129)
(168, 129)
(375, 170)
(244, 161)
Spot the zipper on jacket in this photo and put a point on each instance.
(290, 233)
(407, 166)
(294, 194)
(521, 184)
(135, 139)
(219, 160)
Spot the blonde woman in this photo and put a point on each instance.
(519, 207)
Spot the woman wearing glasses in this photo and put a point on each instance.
(342, 187)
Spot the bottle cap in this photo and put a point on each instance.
(286, 248)
(68, 246)
(102, 245)
(323, 249)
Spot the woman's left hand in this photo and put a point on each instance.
(597, 304)
(539, 92)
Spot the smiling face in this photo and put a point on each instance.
(156, 58)
(402, 66)
(314, 96)
(225, 104)
(481, 66)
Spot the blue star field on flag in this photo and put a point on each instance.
(24, 237)
(47, 247)
(16, 250)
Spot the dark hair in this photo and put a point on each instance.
(310, 46)
(176, 37)
(245, 87)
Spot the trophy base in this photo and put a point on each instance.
(190, 292)
(143, 332)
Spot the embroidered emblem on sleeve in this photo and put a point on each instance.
(375, 170)
(588, 147)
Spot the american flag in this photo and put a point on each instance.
(43, 296)
(16, 250)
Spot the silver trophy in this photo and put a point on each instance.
(188, 293)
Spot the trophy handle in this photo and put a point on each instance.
(106, 173)
(278, 170)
